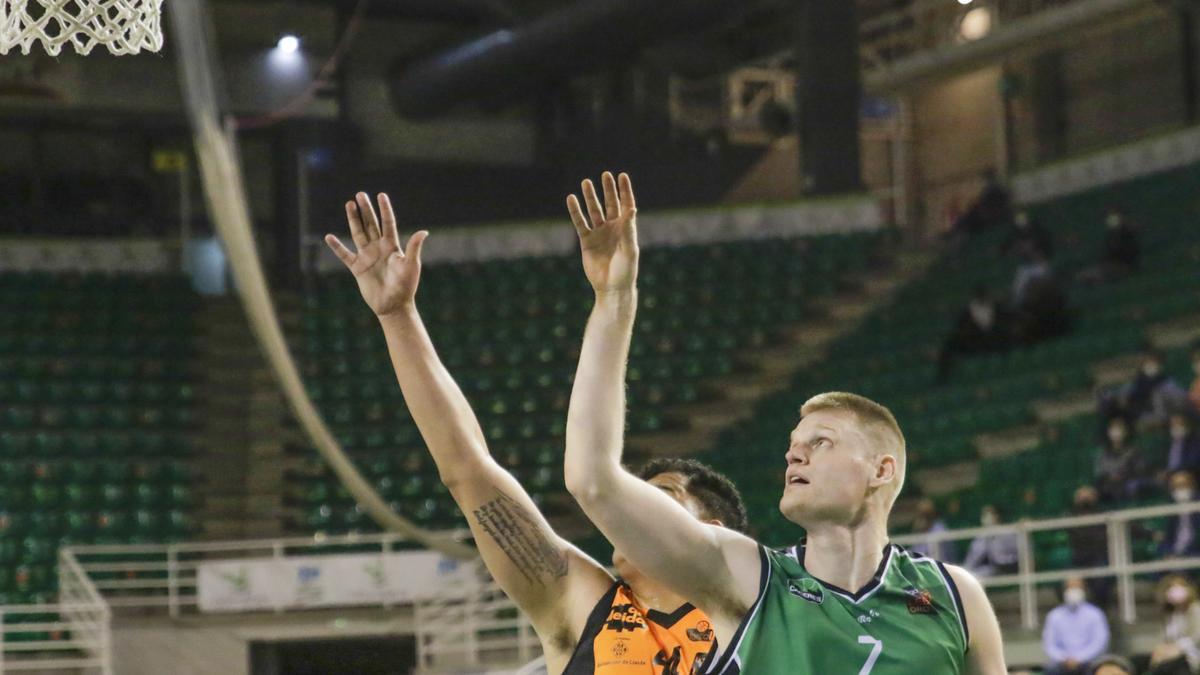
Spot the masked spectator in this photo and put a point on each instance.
(1075, 632)
(992, 554)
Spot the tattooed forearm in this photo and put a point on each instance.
(522, 540)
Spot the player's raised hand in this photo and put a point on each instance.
(608, 233)
(387, 275)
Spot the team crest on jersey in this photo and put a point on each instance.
(703, 632)
(920, 601)
(620, 648)
(808, 589)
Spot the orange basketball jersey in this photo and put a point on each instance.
(624, 638)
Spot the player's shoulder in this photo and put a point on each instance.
(975, 602)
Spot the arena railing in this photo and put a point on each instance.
(163, 576)
(1121, 529)
(73, 634)
(470, 623)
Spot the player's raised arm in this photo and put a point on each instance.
(551, 580)
(656, 534)
(985, 647)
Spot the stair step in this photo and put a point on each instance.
(1175, 334)
(1069, 405)
(1115, 370)
(946, 479)
(1008, 441)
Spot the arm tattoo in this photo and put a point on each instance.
(521, 539)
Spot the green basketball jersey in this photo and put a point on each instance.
(907, 619)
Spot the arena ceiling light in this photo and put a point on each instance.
(975, 24)
(288, 44)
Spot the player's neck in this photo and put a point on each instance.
(846, 557)
(653, 595)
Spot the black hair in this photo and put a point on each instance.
(717, 495)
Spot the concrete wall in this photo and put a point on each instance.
(957, 134)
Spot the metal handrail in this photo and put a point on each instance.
(1120, 563)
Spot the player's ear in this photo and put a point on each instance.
(885, 471)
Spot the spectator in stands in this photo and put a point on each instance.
(1111, 664)
(984, 325)
(1180, 650)
(928, 521)
(1120, 467)
(1182, 538)
(1028, 236)
(1039, 302)
(1119, 253)
(1152, 394)
(989, 209)
(1089, 544)
(1075, 633)
(1183, 453)
(992, 554)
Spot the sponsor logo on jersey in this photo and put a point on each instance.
(808, 589)
(620, 648)
(703, 632)
(670, 664)
(920, 601)
(625, 617)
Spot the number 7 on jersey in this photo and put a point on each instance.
(876, 650)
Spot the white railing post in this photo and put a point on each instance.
(173, 581)
(385, 550)
(472, 617)
(1025, 568)
(3, 641)
(277, 555)
(106, 653)
(1121, 553)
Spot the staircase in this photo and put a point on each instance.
(769, 370)
(942, 480)
(243, 418)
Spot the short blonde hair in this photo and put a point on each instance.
(880, 423)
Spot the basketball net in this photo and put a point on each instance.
(124, 26)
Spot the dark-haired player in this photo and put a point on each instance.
(588, 622)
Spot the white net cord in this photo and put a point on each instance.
(123, 26)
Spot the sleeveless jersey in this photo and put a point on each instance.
(624, 638)
(907, 619)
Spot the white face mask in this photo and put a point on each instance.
(1151, 369)
(989, 519)
(1182, 494)
(1113, 220)
(1178, 431)
(1022, 220)
(1073, 596)
(1177, 594)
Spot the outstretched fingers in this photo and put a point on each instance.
(593, 204)
(390, 233)
(628, 203)
(612, 203)
(577, 217)
(416, 242)
(356, 226)
(339, 249)
(367, 212)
